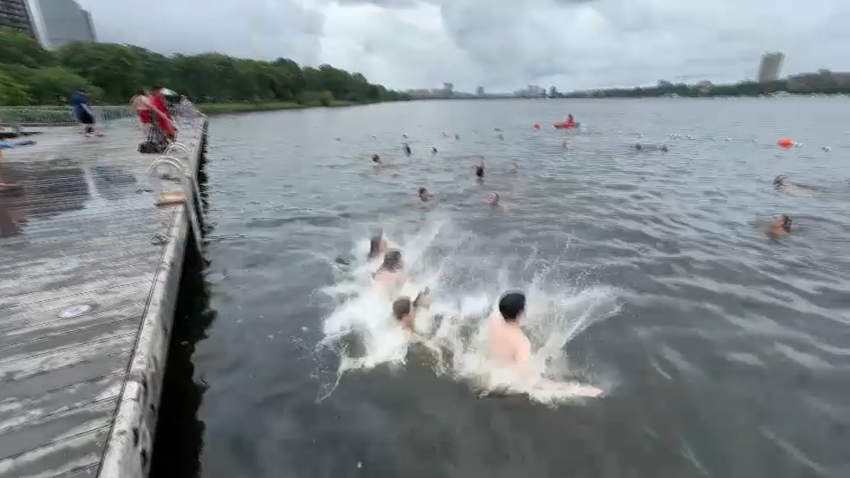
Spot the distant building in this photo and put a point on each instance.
(821, 79)
(480, 91)
(770, 67)
(60, 22)
(15, 14)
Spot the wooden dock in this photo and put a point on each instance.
(89, 272)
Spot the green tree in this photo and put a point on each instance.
(11, 92)
(117, 72)
(48, 84)
(17, 48)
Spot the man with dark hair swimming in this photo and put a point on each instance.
(509, 347)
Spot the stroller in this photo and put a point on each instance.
(157, 141)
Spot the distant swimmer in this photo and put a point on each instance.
(406, 149)
(514, 168)
(479, 169)
(782, 183)
(377, 160)
(433, 150)
(651, 147)
(781, 227)
(493, 199)
(457, 136)
(424, 195)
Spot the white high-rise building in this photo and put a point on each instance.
(770, 67)
(60, 22)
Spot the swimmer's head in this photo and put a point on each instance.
(780, 181)
(479, 171)
(493, 199)
(376, 159)
(514, 167)
(424, 195)
(785, 222)
(512, 306)
(433, 150)
(392, 261)
(402, 308)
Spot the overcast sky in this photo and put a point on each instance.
(499, 44)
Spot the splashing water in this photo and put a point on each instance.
(465, 288)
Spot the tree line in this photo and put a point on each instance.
(111, 74)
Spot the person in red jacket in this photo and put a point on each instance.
(163, 120)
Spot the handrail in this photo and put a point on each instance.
(190, 191)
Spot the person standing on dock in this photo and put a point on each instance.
(83, 112)
(163, 118)
(142, 104)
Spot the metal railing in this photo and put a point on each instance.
(25, 116)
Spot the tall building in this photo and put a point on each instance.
(770, 66)
(60, 22)
(15, 14)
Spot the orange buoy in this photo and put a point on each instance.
(785, 143)
(536, 125)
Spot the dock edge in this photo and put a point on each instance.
(129, 447)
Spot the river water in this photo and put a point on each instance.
(722, 352)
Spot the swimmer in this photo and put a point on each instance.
(406, 149)
(514, 168)
(433, 150)
(404, 310)
(424, 195)
(479, 169)
(493, 199)
(457, 136)
(377, 160)
(781, 227)
(782, 183)
(391, 272)
(509, 347)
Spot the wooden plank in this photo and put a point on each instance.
(18, 367)
(57, 458)
(18, 411)
(58, 427)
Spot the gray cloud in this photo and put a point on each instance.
(500, 44)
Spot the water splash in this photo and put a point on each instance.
(465, 284)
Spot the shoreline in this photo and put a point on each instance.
(234, 108)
